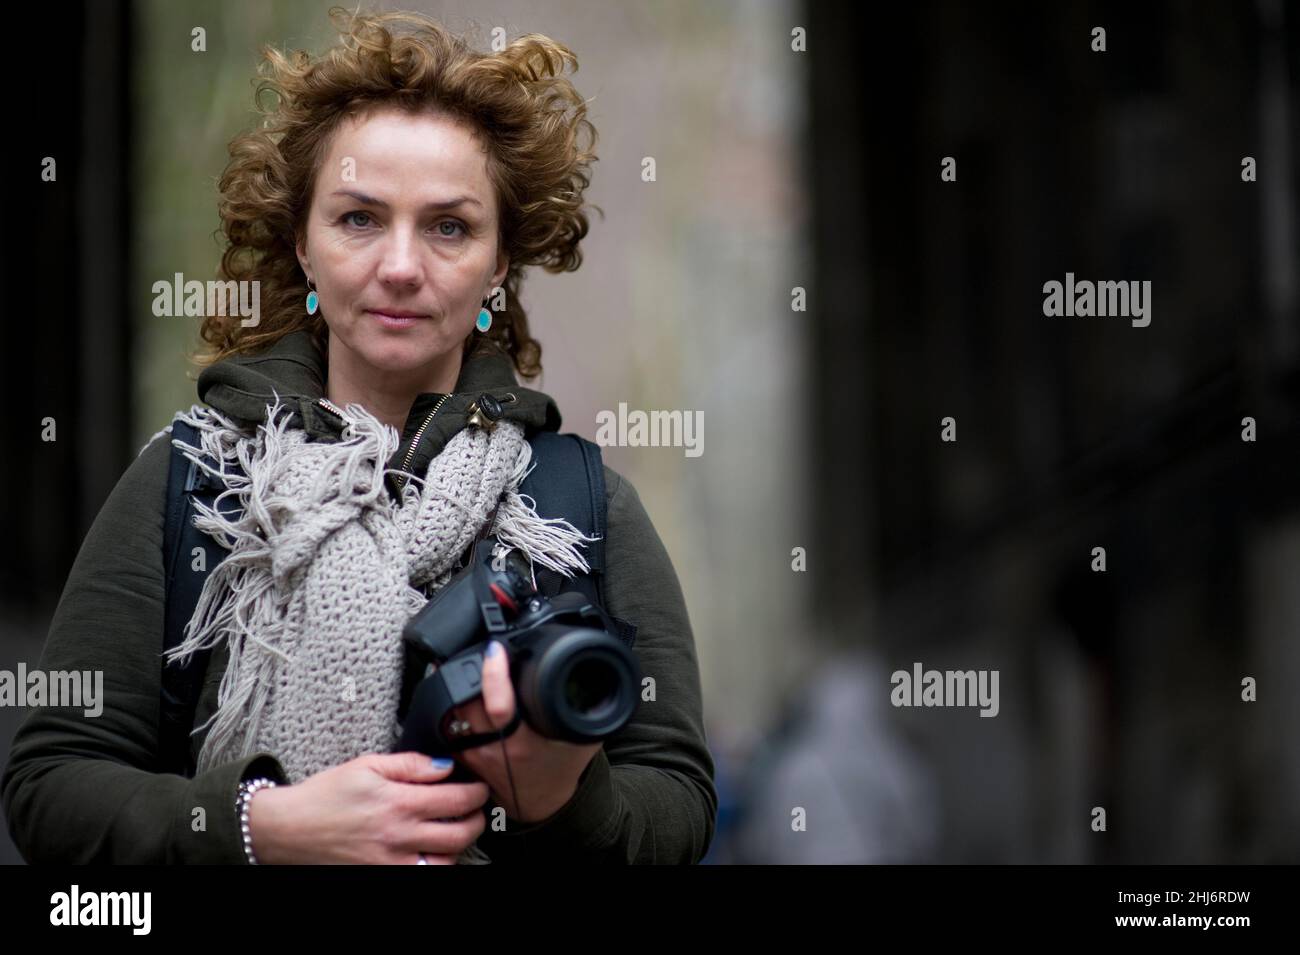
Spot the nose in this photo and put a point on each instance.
(399, 263)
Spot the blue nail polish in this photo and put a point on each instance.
(494, 648)
(442, 763)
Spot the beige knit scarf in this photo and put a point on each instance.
(324, 570)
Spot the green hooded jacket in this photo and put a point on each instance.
(81, 789)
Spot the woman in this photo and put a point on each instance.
(387, 209)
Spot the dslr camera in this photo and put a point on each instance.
(573, 679)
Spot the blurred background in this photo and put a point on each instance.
(826, 537)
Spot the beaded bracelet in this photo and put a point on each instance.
(246, 790)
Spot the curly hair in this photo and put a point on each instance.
(522, 107)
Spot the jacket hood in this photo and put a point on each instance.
(293, 368)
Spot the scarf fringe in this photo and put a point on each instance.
(245, 599)
(549, 542)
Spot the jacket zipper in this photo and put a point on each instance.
(415, 443)
(331, 406)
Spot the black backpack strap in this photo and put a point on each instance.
(182, 682)
(568, 481)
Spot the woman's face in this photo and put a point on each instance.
(402, 244)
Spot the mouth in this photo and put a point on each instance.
(396, 317)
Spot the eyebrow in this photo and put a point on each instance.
(366, 200)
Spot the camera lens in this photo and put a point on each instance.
(590, 687)
(577, 684)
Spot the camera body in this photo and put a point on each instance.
(574, 680)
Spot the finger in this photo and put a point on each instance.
(445, 838)
(411, 766)
(498, 694)
(444, 801)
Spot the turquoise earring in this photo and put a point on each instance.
(313, 301)
(484, 320)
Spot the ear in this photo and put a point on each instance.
(503, 266)
(301, 249)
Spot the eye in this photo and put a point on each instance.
(450, 222)
(360, 225)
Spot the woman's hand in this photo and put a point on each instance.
(545, 771)
(375, 809)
